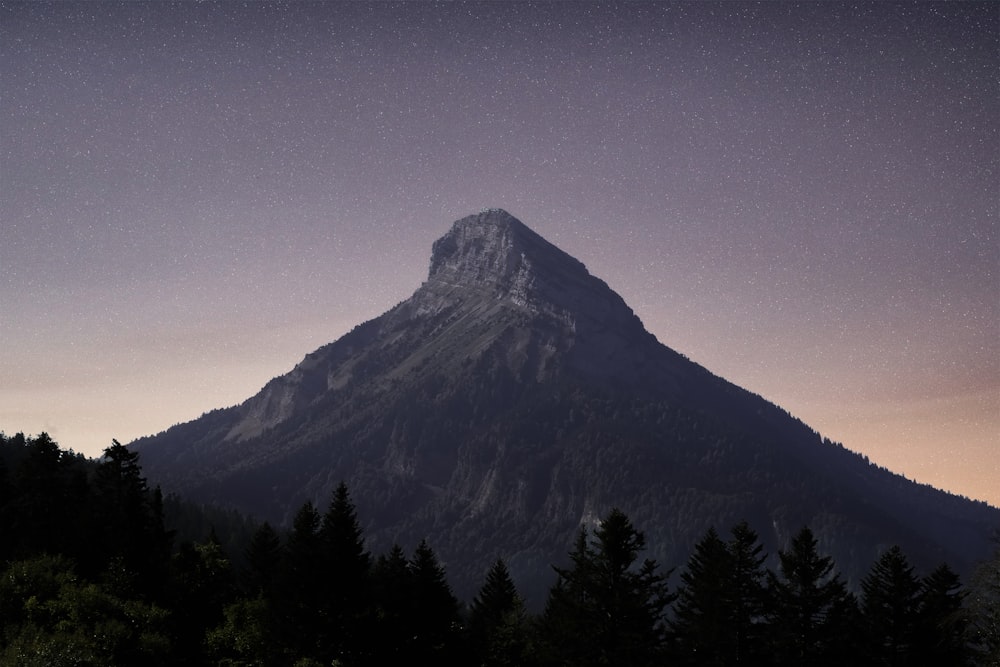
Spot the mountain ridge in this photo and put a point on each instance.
(515, 397)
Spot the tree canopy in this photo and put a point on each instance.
(98, 576)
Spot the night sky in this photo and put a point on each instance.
(801, 197)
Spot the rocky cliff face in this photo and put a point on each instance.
(493, 285)
(496, 253)
(515, 397)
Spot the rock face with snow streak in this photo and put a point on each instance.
(515, 397)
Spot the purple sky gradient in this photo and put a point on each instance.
(801, 197)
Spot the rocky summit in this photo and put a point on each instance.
(515, 398)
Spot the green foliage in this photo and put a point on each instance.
(245, 635)
(202, 586)
(53, 618)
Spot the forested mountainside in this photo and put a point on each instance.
(514, 399)
(93, 573)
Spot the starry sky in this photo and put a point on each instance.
(802, 197)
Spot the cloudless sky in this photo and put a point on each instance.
(802, 197)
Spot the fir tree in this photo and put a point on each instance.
(263, 561)
(983, 610)
(702, 614)
(812, 610)
(131, 528)
(300, 626)
(434, 614)
(344, 576)
(563, 632)
(941, 623)
(8, 545)
(748, 595)
(47, 511)
(394, 602)
(498, 621)
(889, 606)
(605, 609)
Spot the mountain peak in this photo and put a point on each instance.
(494, 251)
(491, 260)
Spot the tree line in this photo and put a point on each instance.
(91, 575)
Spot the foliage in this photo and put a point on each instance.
(95, 579)
(721, 606)
(498, 622)
(812, 613)
(982, 610)
(605, 609)
(52, 617)
(941, 624)
(889, 605)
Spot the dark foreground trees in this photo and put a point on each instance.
(720, 615)
(981, 610)
(812, 615)
(95, 579)
(498, 622)
(604, 609)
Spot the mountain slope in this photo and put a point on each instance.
(515, 397)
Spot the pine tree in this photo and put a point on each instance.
(498, 621)
(263, 558)
(8, 545)
(342, 537)
(701, 622)
(889, 606)
(393, 604)
(49, 501)
(605, 609)
(434, 616)
(345, 578)
(300, 628)
(983, 610)
(131, 531)
(748, 595)
(160, 543)
(941, 623)
(563, 631)
(812, 610)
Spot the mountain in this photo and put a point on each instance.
(515, 397)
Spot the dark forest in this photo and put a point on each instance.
(99, 569)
